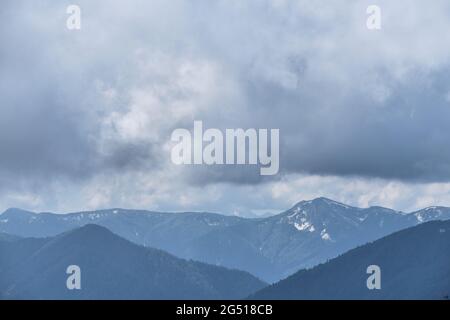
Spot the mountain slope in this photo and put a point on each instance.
(271, 248)
(415, 264)
(111, 268)
(8, 237)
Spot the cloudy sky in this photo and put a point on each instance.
(86, 115)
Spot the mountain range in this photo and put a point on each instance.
(271, 248)
(414, 264)
(111, 268)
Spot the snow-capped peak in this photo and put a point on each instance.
(432, 213)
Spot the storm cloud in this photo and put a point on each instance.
(94, 108)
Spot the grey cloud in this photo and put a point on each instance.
(346, 102)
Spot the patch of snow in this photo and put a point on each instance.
(4, 221)
(305, 225)
(325, 235)
(302, 226)
(294, 213)
(419, 217)
(363, 218)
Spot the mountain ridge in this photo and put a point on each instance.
(16, 210)
(272, 248)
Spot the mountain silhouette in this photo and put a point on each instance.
(111, 268)
(414, 264)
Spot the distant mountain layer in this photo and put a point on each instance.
(8, 237)
(414, 263)
(271, 248)
(111, 268)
